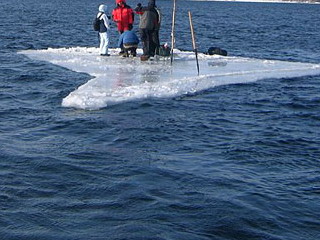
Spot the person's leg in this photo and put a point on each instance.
(156, 41)
(121, 30)
(126, 52)
(145, 41)
(106, 45)
(101, 43)
(152, 43)
(134, 51)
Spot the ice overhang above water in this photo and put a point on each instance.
(117, 79)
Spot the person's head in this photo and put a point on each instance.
(103, 8)
(152, 3)
(120, 2)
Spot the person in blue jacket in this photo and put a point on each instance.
(128, 41)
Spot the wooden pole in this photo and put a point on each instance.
(194, 41)
(172, 30)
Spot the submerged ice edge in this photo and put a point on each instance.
(94, 99)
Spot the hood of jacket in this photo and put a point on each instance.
(103, 8)
(120, 1)
(152, 3)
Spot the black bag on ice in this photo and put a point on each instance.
(217, 51)
(164, 50)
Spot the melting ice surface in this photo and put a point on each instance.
(116, 79)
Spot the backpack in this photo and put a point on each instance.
(96, 23)
(164, 50)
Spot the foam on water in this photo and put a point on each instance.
(118, 79)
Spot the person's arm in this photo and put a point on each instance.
(139, 9)
(115, 15)
(106, 21)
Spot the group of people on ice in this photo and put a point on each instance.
(123, 15)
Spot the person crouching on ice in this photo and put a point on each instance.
(103, 32)
(128, 41)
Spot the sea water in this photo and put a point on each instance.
(166, 154)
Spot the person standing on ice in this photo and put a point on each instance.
(149, 28)
(123, 15)
(103, 32)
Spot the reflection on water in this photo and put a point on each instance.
(217, 64)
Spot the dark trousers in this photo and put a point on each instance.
(148, 42)
(130, 48)
(156, 40)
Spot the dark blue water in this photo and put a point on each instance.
(233, 162)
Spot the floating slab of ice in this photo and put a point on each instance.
(118, 79)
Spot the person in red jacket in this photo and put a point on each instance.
(123, 15)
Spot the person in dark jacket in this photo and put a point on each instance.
(129, 42)
(148, 26)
